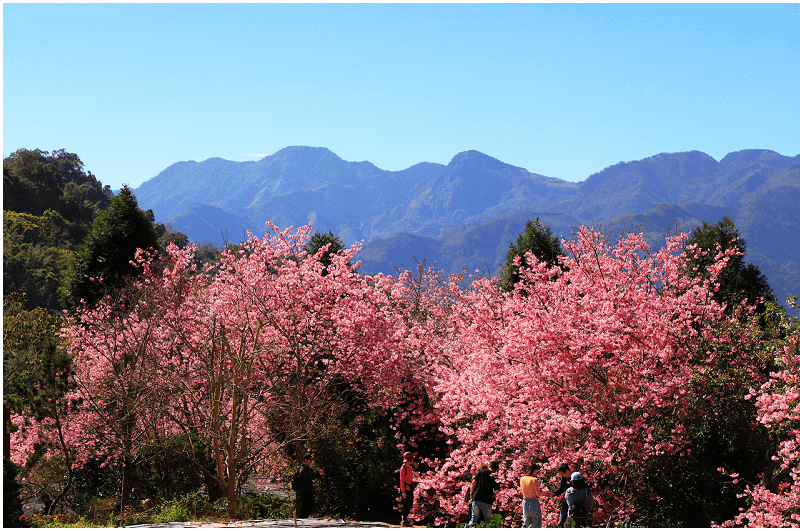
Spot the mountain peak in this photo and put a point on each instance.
(473, 154)
(746, 157)
(473, 160)
(304, 152)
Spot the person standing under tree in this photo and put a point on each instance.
(303, 485)
(562, 472)
(579, 500)
(532, 490)
(482, 489)
(407, 485)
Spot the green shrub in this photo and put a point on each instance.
(259, 507)
(496, 521)
(172, 511)
(201, 508)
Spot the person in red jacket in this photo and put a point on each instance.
(407, 485)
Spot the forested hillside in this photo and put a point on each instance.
(49, 202)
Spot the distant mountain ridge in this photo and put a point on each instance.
(464, 214)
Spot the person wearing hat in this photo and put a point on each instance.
(304, 487)
(407, 485)
(579, 500)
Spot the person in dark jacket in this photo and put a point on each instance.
(482, 489)
(579, 500)
(305, 500)
(562, 472)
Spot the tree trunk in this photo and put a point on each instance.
(127, 471)
(6, 433)
(68, 460)
(233, 502)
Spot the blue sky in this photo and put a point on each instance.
(563, 90)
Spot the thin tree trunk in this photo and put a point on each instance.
(6, 433)
(70, 475)
(127, 470)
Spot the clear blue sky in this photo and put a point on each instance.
(563, 90)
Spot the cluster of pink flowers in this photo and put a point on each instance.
(776, 501)
(592, 363)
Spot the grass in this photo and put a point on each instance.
(192, 507)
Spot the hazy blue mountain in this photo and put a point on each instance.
(291, 187)
(638, 185)
(464, 214)
(474, 188)
(481, 247)
(211, 224)
(356, 200)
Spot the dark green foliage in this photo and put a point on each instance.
(41, 393)
(263, 506)
(107, 251)
(537, 239)
(359, 460)
(49, 203)
(320, 240)
(36, 252)
(94, 481)
(171, 468)
(178, 238)
(12, 504)
(35, 181)
(737, 281)
(691, 490)
(25, 334)
(166, 471)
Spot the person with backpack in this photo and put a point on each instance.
(531, 487)
(303, 485)
(407, 485)
(579, 500)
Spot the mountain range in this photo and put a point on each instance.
(464, 214)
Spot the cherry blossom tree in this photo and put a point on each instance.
(249, 356)
(590, 364)
(775, 500)
(115, 349)
(601, 361)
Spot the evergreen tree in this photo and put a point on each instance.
(12, 504)
(537, 239)
(102, 263)
(320, 240)
(738, 281)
